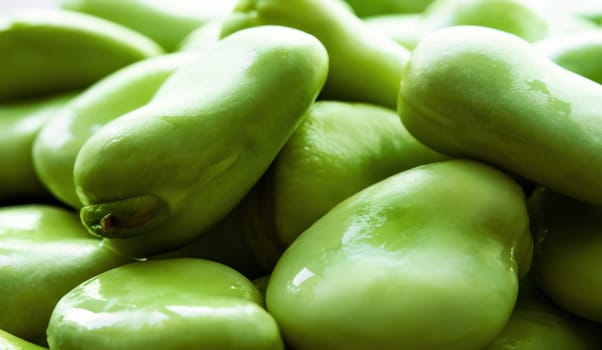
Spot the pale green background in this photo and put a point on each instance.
(6, 5)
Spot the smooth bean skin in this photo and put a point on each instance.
(580, 52)
(536, 323)
(338, 150)
(530, 20)
(198, 147)
(364, 66)
(485, 94)
(20, 123)
(400, 265)
(164, 305)
(203, 37)
(61, 138)
(517, 17)
(403, 29)
(166, 22)
(44, 252)
(568, 259)
(365, 8)
(10, 342)
(49, 50)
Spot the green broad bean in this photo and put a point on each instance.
(530, 20)
(59, 141)
(517, 17)
(365, 8)
(580, 52)
(164, 305)
(44, 252)
(536, 323)
(568, 259)
(166, 22)
(338, 150)
(10, 342)
(49, 50)
(401, 265)
(403, 29)
(203, 37)
(201, 143)
(481, 93)
(20, 123)
(364, 66)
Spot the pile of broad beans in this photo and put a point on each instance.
(301, 174)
